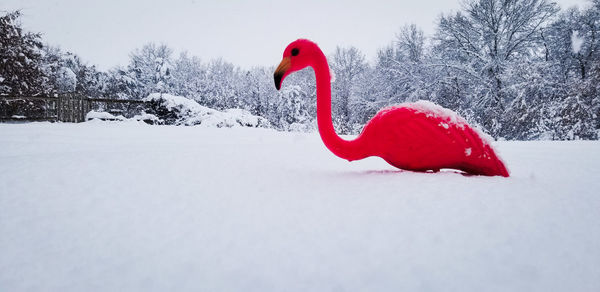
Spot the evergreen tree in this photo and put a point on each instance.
(20, 58)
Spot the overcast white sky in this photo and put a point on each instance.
(246, 33)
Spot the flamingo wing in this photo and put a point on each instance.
(423, 136)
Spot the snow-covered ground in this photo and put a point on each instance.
(129, 207)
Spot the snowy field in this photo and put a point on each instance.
(128, 207)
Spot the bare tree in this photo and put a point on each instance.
(347, 64)
(410, 42)
(479, 42)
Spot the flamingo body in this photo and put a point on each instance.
(418, 136)
(423, 136)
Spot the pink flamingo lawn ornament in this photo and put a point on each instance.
(417, 136)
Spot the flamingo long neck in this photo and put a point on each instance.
(350, 150)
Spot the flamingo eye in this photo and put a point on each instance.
(295, 51)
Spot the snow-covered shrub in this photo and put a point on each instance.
(32, 109)
(105, 116)
(147, 118)
(303, 127)
(178, 110)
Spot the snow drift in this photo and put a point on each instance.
(178, 110)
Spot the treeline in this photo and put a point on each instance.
(520, 69)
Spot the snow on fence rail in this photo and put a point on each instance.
(64, 108)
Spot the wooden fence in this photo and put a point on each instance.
(68, 108)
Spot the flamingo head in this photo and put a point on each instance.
(296, 56)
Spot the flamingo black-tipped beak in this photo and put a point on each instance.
(280, 72)
(277, 77)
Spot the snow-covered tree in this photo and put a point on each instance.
(571, 46)
(478, 43)
(572, 42)
(189, 77)
(368, 98)
(256, 90)
(401, 72)
(151, 67)
(347, 64)
(220, 91)
(410, 43)
(20, 58)
(67, 73)
(291, 108)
